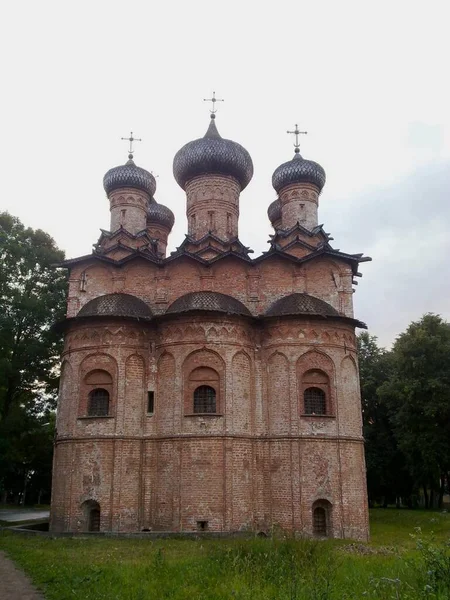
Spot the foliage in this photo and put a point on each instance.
(263, 569)
(387, 476)
(32, 297)
(418, 397)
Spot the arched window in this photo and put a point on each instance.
(98, 389)
(91, 510)
(315, 401)
(204, 399)
(320, 521)
(321, 518)
(98, 403)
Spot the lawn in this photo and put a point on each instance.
(401, 561)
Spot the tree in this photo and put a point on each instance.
(32, 298)
(418, 397)
(387, 477)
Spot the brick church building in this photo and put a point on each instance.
(206, 389)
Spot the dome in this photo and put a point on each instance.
(129, 175)
(298, 170)
(301, 304)
(158, 213)
(274, 211)
(212, 154)
(208, 301)
(116, 305)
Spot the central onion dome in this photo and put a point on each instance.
(160, 214)
(212, 155)
(298, 170)
(129, 176)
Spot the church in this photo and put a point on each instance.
(205, 389)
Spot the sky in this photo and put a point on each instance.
(367, 80)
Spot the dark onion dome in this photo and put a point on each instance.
(274, 211)
(212, 154)
(301, 304)
(208, 301)
(298, 170)
(158, 213)
(116, 305)
(131, 176)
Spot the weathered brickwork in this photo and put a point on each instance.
(217, 416)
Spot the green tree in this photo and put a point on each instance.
(32, 298)
(387, 477)
(418, 397)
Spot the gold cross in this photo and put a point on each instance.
(296, 132)
(213, 110)
(131, 139)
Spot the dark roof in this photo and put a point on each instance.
(274, 211)
(301, 304)
(116, 305)
(158, 213)
(208, 301)
(298, 170)
(212, 154)
(129, 175)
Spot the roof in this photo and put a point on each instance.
(208, 301)
(116, 305)
(301, 304)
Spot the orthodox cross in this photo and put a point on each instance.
(131, 139)
(296, 132)
(213, 110)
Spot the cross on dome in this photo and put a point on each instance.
(213, 110)
(131, 139)
(296, 132)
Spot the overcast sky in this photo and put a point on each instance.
(367, 80)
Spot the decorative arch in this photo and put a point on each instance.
(278, 396)
(91, 515)
(241, 371)
(321, 513)
(98, 385)
(203, 382)
(316, 384)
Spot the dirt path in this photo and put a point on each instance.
(14, 584)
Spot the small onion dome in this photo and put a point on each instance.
(298, 170)
(212, 154)
(160, 214)
(208, 301)
(274, 211)
(116, 305)
(301, 304)
(131, 176)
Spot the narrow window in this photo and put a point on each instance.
(122, 215)
(205, 399)
(320, 522)
(83, 281)
(150, 402)
(98, 405)
(315, 401)
(202, 525)
(211, 220)
(193, 223)
(229, 228)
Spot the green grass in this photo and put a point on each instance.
(390, 566)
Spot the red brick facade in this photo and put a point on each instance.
(260, 459)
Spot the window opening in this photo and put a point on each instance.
(150, 402)
(205, 399)
(202, 525)
(315, 401)
(94, 519)
(320, 521)
(98, 405)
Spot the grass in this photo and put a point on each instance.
(393, 565)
